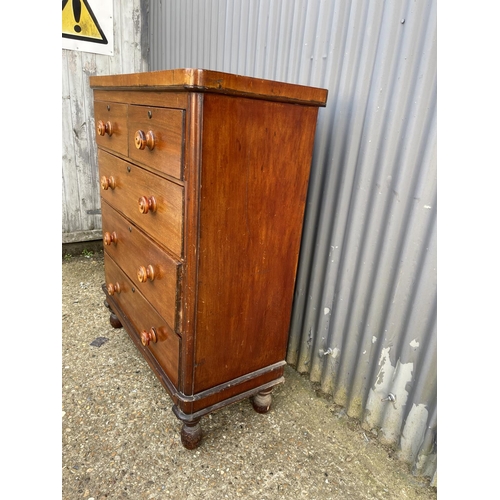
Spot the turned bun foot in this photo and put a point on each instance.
(115, 322)
(191, 434)
(261, 402)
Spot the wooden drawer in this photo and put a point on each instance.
(111, 126)
(155, 138)
(134, 252)
(131, 184)
(140, 313)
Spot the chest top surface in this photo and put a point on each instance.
(201, 80)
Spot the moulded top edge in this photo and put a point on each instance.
(201, 80)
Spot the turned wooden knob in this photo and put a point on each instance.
(147, 204)
(110, 238)
(145, 273)
(104, 128)
(108, 182)
(143, 139)
(113, 288)
(147, 337)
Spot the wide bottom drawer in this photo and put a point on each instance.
(152, 202)
(151, 328)
(134, 252)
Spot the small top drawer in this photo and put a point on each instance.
(156, 138)
(111, 126)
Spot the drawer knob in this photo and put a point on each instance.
(145, 273)
(144, 139)
(110, 238)
(147, 204)
(113, 288)
(147, 337)
(104, 128)
(108, 182)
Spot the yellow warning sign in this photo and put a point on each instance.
(80, 23)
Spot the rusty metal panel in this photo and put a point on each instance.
(364, 319)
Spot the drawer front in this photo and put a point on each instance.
(150, 268)
(155, 138)
(166, 349)
(111, 126)
(130, 189)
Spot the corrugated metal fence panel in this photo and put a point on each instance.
(81, 218)
(364, 320)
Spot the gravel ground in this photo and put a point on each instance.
(120, 439)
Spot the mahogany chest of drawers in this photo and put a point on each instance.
(204, 180)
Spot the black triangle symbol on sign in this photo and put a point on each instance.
(80, 23)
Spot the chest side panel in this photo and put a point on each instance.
(256, 158)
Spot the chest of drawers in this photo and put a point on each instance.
(204, 180)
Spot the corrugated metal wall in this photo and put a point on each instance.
(81, 219)
(364, 320)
